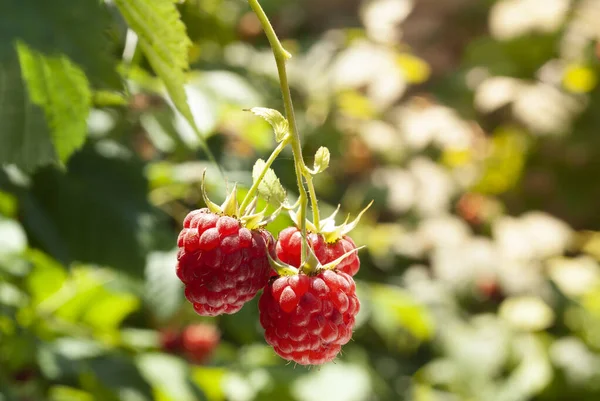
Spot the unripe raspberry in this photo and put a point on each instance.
(222, 263)
(307, 319)
(289, 246)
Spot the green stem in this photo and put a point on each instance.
(313, 200)
(281, 55)
(268, 163)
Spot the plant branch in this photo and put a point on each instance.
(281, 55)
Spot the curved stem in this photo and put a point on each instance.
(259, 179)
(281, 55)
(313, 200)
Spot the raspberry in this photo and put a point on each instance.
(307, 319)
(199, 341)
(290, 242)
(222, 263)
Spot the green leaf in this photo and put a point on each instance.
(12, 237)
(24, 135)
(321, 160)
(120, 375)
(163, 288)
(108, 310)
(105, 98)
(169, 376)
(62, 90)
(44, 91)
(278, 122)
(97, 212)
(163, 40)
(269, 188)
(65, 393)
(394, 312)
(210, 380)
(46, 278)
(8, 204)
(79, 30)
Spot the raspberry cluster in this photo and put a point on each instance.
(307, 315)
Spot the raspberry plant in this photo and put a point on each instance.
(309, 302)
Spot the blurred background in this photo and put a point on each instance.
(473, 124)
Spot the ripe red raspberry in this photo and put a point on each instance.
(307, 319)
(221, 263)
(199, 341)
(290, 242)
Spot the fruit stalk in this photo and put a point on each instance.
(302, 172)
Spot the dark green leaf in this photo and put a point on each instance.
(24, 134)
(97, 212)
(44, 92)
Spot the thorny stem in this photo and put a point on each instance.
(270, 160)
(281, 55)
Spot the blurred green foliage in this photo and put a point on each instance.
(472, 124)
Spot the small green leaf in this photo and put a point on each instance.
(321, 160)
(269, 188)
(62, 90)
(106, 98)
(278, 122)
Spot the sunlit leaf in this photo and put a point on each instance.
(62, 90)
(65, 393)
(270, 188)
(394, 311)
(275, 119)
(210, 380)
(321, 159)
(169, 375)
(12, 236)
(162, 38)
(527, 313)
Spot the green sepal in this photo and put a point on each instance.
(213, 207)
(230, 206)
(334, 263)
(282, 269)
